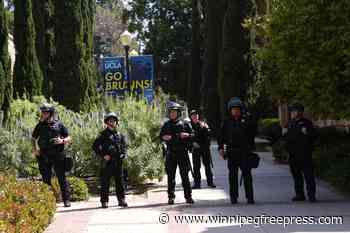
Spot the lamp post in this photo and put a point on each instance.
(126, 40)
(133, 53)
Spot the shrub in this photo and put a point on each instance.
(79, 189)
(270, 129)
(25, 206)
(139, 121)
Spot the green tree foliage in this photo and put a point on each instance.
(27, 73)
(45, 47)
(5, 64)
(307, 54)
(74, 83)
(109, 26)
(164, 27)
(214, 18)
(194, 81)
(235, 60)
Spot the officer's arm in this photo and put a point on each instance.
(221, 137)
(164, 132)
(123, 147)
(66, 139)
(190, 131)
(97, 146)
(35, 137)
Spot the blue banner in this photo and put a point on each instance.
(115, 81)
(141, 76)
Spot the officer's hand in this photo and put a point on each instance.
(36, 152)
(58, 141)
(184, 135)
(222, 153)
(204, 125)
(107, 157)
(166, 137)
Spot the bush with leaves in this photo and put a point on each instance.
(79, 189)
(305, 53)
(139, 121)
(25, 206)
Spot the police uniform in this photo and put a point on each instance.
(237, 135)
(300, 136)
(113, 143)
(177, 155)
(52, 155)
(201, 151)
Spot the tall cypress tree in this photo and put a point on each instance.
(236, 44)
(194, 81)
(210, 101)
(74, 81)
(5, 64)
(27, 73)
(45, 44)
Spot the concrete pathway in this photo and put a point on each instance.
(273, 190)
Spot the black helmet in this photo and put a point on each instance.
(47, 108)
(194, 111)
(109, 116)
(174, 106)
(235, 102)
(298, 107)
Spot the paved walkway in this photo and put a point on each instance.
(273, 191)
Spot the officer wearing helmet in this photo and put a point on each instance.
(300, 135)
(236, 141)
(177, 135)
(48, 138)
(111, 147)
(201, 150)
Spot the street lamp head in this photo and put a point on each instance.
(134, 53)
(126, 38)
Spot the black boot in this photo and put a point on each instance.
(312, 199)
(122, 203)
(211, 185)
(196, 186)
(250, 201)
(298, 198)
(233, 201)
(171, 201)
(104, 205)
(189, 200)
(67, 203)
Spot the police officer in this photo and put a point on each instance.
(201, 150)
(111, 146)
(48, 138)
(300, 135)
(235, 141)
(177, 135)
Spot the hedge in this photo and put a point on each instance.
(25, 206)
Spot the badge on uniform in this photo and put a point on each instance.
(304, 130)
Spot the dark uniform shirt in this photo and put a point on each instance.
(237, 134)
(300, 137)
(175, 128)
(201, 134)
(45, 132)
(111, 143)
